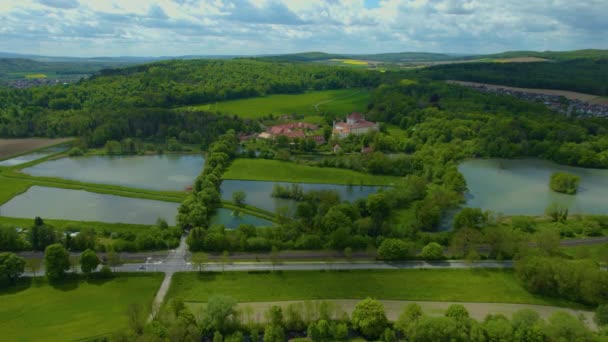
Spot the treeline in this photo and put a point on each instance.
(40, 235)
(198, 207)
(326, 321)
(581, 75)
(443, 123)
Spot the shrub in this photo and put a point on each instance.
(564, 182)
(432, 251)
(394, 249)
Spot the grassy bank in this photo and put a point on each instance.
(339, 102)
(278, 171)
(37, 311)
(22, 180)
(431, 285)
(100, 227)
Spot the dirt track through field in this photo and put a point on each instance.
(394, 308)
(14, 147)
(589, 98)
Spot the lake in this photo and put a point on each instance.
(521, 186)
(156, 172)
(259, 192)
(80, 205)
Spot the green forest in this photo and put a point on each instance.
(581, 75)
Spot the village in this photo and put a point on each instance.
(354, 124)
(557, 103)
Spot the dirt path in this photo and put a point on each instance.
(394, 308)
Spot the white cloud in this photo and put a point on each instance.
(175, 27)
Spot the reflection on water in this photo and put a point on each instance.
(521, 186)
(259, 192)
(157, 172)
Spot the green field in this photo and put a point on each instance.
(10, 188)
(338, 102)
(74, 310)
(279, 171)
(465, 285)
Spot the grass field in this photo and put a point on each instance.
(10, 188)
(339, 102)
(15, 147)
(278, 171)
(36, 311)
(464, 285)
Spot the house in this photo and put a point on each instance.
(291, 130)
(366, 150)
(355, 124)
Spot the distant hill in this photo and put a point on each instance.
(395, 57)
(552, 55)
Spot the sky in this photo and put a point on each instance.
(86, 28)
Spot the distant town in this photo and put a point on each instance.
(557, 103)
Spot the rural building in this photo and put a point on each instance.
(355, 124)
(290, 130)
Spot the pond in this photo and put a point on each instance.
(157, 172)
(259, 192)
(80, 205)
(521, 187)
(26, 158)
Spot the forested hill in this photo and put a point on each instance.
(136, 101)
(581, 75)
(178, 82)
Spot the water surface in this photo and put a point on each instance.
(26, 158)
(259, 192)
(80, 205)
(156, 172)
(521, 186)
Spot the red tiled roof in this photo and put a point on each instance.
(356, 116)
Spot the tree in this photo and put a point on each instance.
(548, 242)
(470, 218)
(217, 337)
(274, 333)
(394, 249)
(42, 235)
(11, 267)
(348, 253)
(465, 241)
(409, 317)
(369, 318)
(88, 261)
(601, 315)
(200, 259)
(379, 209)
(432, 251)
(220, 315)
(113, 259)
(457, 312)
(238, 197)
(56, 261)
(565, 327)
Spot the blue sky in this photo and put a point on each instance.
(184, 27)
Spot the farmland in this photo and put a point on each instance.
(257, 169)
(75, 309)
(15, 147)
(337, 102)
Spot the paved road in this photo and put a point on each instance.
(310, 266)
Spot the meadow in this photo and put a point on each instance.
(460, 285)
(74, 310)
(279, 171)
(337, 102)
